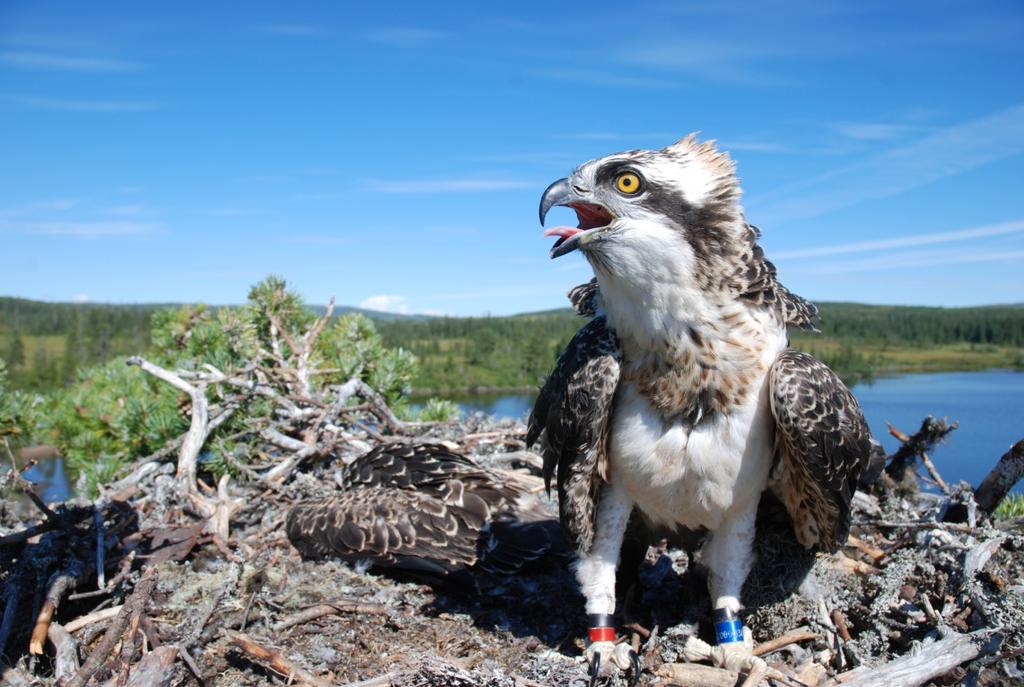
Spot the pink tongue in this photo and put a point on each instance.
(564, 232)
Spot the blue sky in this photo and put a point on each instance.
(394, 154)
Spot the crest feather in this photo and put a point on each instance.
(721, 168)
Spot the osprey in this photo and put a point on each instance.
(680, 397)
(423, 509)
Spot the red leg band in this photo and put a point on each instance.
(601, 634)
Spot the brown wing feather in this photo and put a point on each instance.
(392, 528)
(424, 509)
(428, 468)
(570, 420)
(822, 445)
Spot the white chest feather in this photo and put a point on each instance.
(690, 477)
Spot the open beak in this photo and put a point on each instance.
(590, 215)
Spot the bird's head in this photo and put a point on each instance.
(678, 204)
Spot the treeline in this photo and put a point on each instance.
(901, 324)
(45, 343)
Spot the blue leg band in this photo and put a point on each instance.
(728, 628)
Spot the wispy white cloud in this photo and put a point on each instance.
(386, 303)
(708, 59)
(81, 105)
(445, 185)
(942, 154)
(89, 229)
(70, 63)
(904, 261)
(1014, 227)
(45, 205)
(80, 298)
(292, 29)
(876, 131)
(603, 78)
(405, 36)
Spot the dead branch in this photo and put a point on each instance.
(334, 608)
(66, 652)
(94, 617)
(124, 568)
(134, 606)
(273, 660)
(931, 661)
(997, 484)
(59, 585)
(357, 387)
(156, 669)
(300, 451)
(930, 433)
(785, 640)
(101, 548)
(873, 552)
(697, 675)
(218, 509)
(199, 427)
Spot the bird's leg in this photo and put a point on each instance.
(596, 575)
(728, 557)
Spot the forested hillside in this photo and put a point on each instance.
(44, 343)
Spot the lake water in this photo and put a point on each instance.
(988, 405)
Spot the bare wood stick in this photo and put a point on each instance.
(357, 387)
(334, 608)
(300, 451)
(697, 675)
(384, 680)
(198, 429)
(189, 661)
(57, 587)
(101, 548)
(156, 669)
(997, 484)
(932, 661)
(66, 648)
(135, 604)
(94, 617)
(933, 471)
(844, 562)
(273, 660)
(930, 433)
(124, 568)
(840, 620)
(873, 552)
(785, 640)
(307, 346)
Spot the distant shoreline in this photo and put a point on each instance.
(878, 373)
(427, 392)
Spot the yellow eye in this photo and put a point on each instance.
(628, 183)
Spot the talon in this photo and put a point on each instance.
(595, 668)
(634, 658)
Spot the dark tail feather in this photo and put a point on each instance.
(511, 545)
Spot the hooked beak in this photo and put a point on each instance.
(590, 215)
